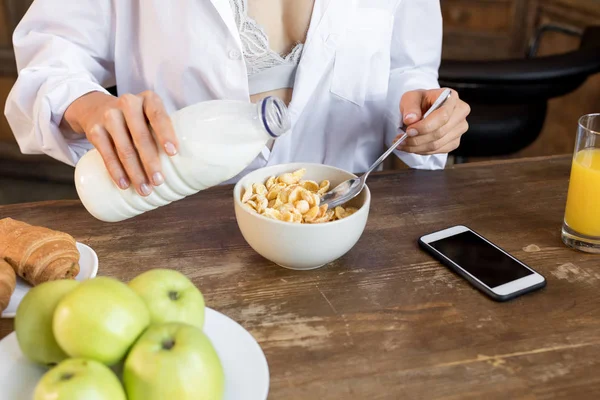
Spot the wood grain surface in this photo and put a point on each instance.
(385, 321)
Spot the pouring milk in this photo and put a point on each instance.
(218, 139)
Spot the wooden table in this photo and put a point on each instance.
(385, 321)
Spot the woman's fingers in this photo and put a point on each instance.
(128, 132)
(133, 111)
(453, 145)
(160, 122)
(433, 140)
(435, 121)
(116, 126)
(100, 138)
(440, 145)
(432, 134)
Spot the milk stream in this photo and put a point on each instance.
(217, 140)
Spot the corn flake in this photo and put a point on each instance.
(270, 182)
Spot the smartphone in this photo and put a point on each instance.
(485, 265)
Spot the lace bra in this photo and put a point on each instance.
(267, 69)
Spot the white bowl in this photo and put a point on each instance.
(301, 246)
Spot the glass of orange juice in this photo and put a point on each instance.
(581, 227)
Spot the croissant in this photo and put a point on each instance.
(38, 254)
(8, 281)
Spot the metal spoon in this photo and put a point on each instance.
(351, 188)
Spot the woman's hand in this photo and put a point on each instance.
(441, 131)
(119, 128)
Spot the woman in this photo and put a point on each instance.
(350, 70)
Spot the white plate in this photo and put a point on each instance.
(88, 267)
(244, 363)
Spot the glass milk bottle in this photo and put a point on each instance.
(217, 140)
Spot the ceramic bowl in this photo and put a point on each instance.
(301, 246)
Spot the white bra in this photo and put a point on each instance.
(267, 70)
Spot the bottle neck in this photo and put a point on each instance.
(273, 116)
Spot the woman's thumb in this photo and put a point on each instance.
(410, 107)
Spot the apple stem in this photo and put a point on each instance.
(168, 344)
(173, 295)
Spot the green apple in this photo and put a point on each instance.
(100, 320)
(173, 361)
(33, 321)
(170, 297)
(77, 379)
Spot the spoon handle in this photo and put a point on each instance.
(437, 104)
(385, 155)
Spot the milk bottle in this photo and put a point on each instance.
(217, 140)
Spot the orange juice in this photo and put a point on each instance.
(583, 202)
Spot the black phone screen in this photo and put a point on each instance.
(480, 259)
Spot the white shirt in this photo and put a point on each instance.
(359, 58)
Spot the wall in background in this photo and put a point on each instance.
(6, 84)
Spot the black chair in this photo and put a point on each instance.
(509, 98)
